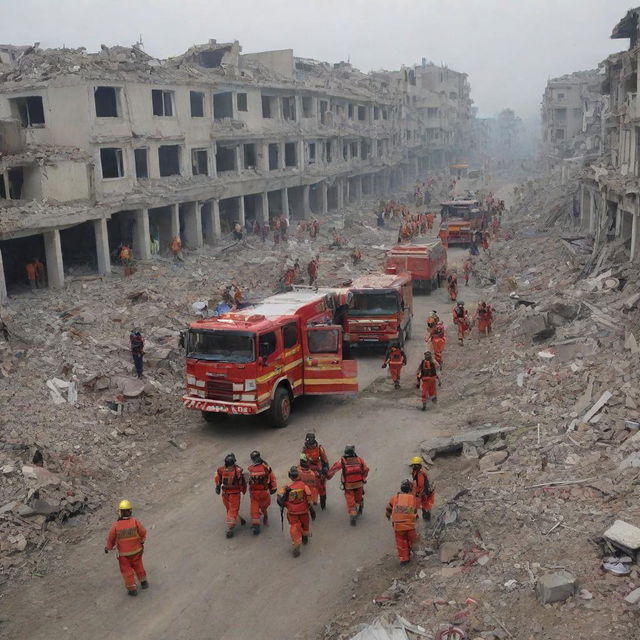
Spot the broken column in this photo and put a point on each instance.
(192, 225)
(3, 283)
(102, 246)
(300, 154)
(324, 205)
(211, 211)
(53, 254)
(141, 236)
(263, 214)
(241, 215)
(285, 203)
(174, 209)
(306, 206)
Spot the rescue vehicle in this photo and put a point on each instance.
(461, 218)
(262, 357)
(380, 309)
(427, 263)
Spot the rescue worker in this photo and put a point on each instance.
(466, 268)
(452, 286)
(136, 343)
(356, 256)
(39, 272)
(421, 487)
(396, 358)
(484, 316)
(312, 270)
(461, 320)
(429, 221)
(354, 477)
(432, 321)
(438, 340)
(231, 482)
(262, 485)
(176, 248)
(125, 256)
(32, 275)
(427, 375)
(402, 510)
(319, 462)
(128, 536)
(311, 478)
(294, 497)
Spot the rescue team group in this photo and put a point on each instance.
(299, 498)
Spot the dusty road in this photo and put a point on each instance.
(205, 586)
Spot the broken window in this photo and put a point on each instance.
(350, 111)
(111, 162)
(312, 152)
(345, 151)
(197, 104)
(561, 115)
(307, 107)
(560, 97)
(362, 113)
(432, 112)
(225, 158)
(273, 156)
(212, 58)
(268, 108)
(289, 108)
(29, 110)
(162, 102)
(354, 149)
(324, 106)
(241, 102)
(222, 105)
(141, 156)
(199, 162)
(169, 160)
(376, 113)
(385, 114)
(249, 156)
(329, 151)
(106, 102)
(16, 180)
(290, 154)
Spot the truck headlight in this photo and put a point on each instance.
(249, 385)
(191, 380)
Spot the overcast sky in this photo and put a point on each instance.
(509, 48)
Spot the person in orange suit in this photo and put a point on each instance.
(396, 358)
(484, 316)
(466, 268)
(438, 340)
(354, 477)
(452, 286)
(295, 497)
(427, 375)
(319, 462)
(402, 510)
(312, 479)
(128, 535)
(432, 322)
(421, 487)
(485, 241)
(32, 275)
(230, 481)
(176, 248)
(262, 485)
(39, 272)
(429, 221)
(461, 320)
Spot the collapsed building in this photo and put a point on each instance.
(97, 149)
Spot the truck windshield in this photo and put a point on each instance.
(221, 346)
(374, 303)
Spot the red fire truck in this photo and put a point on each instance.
(427, 263)
(461, 218)
(380, 309)
(259, 359)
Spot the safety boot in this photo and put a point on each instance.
(396, 384)
(353, 520)
(265, 519)
(312, 512)
(305, 539)
(242, 520)
(360, 508)
(144, 584)
(424, 406)
(295, 551)
(256, 529)
(323, 502)
(229, 533)
(132, 592)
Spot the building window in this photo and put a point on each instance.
(290, 155)
(350, 111)
(106, 101)
(169, 160)
(289, 108)
(111, 163)
(307, 107)
(199, 162)
(162, 102)
(385, 114)
(197, 104)
(312, 152)
(324, 107)
(222, 105)
(141, 156)
(362, 113)
(249, 153)
(432, 112)
(376, 113)
(559, 134)
(561, 115)
(225, 158)
(29, 110)
(290, 335)
(354, 149)
(560, 97)
(274, 152)
(268, 108)
(241, 102)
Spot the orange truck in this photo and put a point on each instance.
(460, 219)
(427, 263)
(380, 309)
(260, 358)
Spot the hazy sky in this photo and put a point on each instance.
(509, 48)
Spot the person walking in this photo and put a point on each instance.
(136, 343)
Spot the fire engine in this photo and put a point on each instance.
(260, 358)
(427, 263)
(380, 309)
(461, 218)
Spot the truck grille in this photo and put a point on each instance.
(219, 390)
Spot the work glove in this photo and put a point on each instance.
(106, 550)
(218, 489)
(384, 366)
(418, 384)
(272, 491)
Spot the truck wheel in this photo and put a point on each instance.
(280, 408)
(214, 416)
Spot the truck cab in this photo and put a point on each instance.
(461, 218)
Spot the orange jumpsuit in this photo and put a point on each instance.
(429, 221)
(428, 377)
(438, 340)
(295, 499)
(422, 490)
(319, 462)
(402, 510)
(485, 318)
(262, 483)
(232, 481)
(461, 320)
(452, 288)
(354, 477)
(128, 536)
(466, 267)
(311, 478)
(396, 360)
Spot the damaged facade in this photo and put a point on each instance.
(117, 146)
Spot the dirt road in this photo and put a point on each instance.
(205, 586)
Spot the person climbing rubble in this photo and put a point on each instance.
(421, 487)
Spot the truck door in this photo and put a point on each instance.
(324, 369)
(293, 356)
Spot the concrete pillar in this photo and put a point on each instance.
(635, 239)
(102, 246)
(53, 254)
(285, 203)
(239, 151)
(241, 218)
(3, 282)
(340, 193)
(192, 224)
(175, 220)
(141, 237)
(347, 190)
(215, 219)
(281, 164)
(264, 208)
(357, 181)
(214, 164)
(5, 179)
(324, 204)
(306, 206)
(300, 154)
(263, 158)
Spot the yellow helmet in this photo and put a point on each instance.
(415, 460)
(124, 505)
